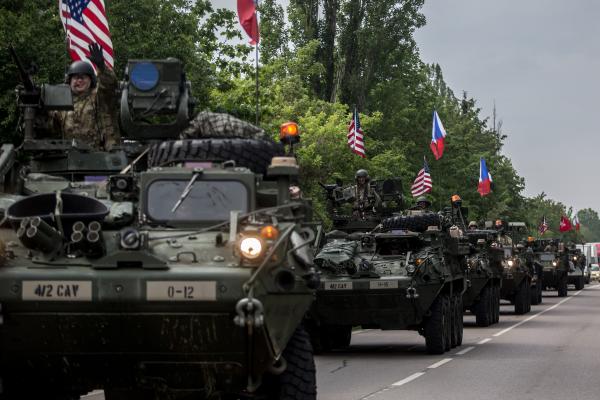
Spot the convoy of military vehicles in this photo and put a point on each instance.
(186, 263)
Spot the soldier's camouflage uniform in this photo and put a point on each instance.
(93, 118)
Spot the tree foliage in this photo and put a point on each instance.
(317, 63)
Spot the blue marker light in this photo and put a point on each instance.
(144, 76)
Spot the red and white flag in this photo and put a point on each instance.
(356, 138)
(85, 23)
(248, 19)
(423, 183)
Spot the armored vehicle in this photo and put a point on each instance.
(189, 276)
(405, 274)
(576, 274)
(484, 277)
(518, 273)
(549, 255)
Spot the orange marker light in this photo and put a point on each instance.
(289, 132)
(269, 232)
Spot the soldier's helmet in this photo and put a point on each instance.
(473, 225)
(362, 173)
(423, 201)
(83, 68)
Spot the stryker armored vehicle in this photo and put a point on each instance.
(484, 277)
(188, 276)
(549, 255)
(576, 274)
(518, 271)
(407, 273)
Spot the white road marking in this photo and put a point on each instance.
(409, 379)
(465, 350)
(502, 332)
(440, 363)
(484, 341)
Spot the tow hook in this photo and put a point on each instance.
(249, 313)
(411, 293)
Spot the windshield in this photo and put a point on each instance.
(595, 268)
(547, 257)
(206, 200)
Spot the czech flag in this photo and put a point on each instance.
(485, 179)
(438, 134)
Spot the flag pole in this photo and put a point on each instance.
(256, 70)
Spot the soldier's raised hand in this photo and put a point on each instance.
(96, 55)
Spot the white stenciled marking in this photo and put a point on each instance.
(409, 379)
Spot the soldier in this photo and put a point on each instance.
(93, 118)
(422, 204)
(503, 238)
(365, 199)
(473, 226)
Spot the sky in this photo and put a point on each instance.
(539, 61)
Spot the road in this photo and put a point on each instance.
(551, 353)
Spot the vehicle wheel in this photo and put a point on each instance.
(450, 321)
(435, 329)
(536, 295)
(415, 223)
(483, 309)
(496, 291)
(255, 154)
(339, 336)
(579, 283)
(528, 298)
(522, 298)
(453, 321)
(540, 297)
(563, 287)
(459, 320)
(298, 381)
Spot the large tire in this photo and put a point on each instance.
(459, 320)
(415, 223)
(483, 309)
(536, 294)
(298, 381)
(579, 283)
(436, 327)
(563, 286)
(450, 322)
(496, 304)
(254, 154)
(522, 298)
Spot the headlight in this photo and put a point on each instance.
(410, 269)
(510, 263)
(251, 247)
(554, 263)
(574, 258)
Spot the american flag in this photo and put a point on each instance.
(543, 226)
(85, 22)
(356, 139)
(423, 183)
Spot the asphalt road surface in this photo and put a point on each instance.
(551, 353)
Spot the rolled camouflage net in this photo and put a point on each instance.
(218, 125)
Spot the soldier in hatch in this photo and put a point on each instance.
(93, 118)
(365, 198)
(473, 226)
(422, 204)
(503, 238)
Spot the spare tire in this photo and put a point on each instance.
(415, 223)
(254, 154)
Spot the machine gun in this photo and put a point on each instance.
(31, 98)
